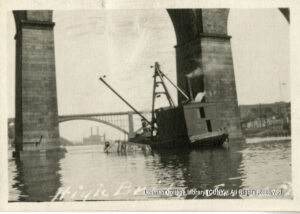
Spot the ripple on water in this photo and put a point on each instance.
(89, 173)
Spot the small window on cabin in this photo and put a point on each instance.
(208, 124)
(202, 113)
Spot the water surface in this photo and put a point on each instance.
(87, 173)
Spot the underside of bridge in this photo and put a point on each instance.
(202, 42)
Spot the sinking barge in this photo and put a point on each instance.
(193, 124)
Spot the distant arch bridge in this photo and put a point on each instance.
(127, 122)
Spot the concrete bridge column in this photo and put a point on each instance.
(203, 43)
(36, 99)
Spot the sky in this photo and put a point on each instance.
(123, 44)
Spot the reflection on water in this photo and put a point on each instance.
(34, 178)
(87, 173)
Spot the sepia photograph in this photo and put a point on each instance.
(148, 104)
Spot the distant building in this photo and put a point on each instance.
(274, 115)
(94, 139)
(278, 109)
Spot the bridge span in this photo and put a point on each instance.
(127, 122)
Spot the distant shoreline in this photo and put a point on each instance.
(267, 139)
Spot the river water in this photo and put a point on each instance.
(256, 169)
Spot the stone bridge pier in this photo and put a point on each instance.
(203, 43)
(36, 99)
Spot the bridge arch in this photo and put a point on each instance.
(190, 23)
(202, 41)
(61, 120)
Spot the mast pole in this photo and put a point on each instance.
(136, 111)
(157, 69)
(175, 86)
(153, 103)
